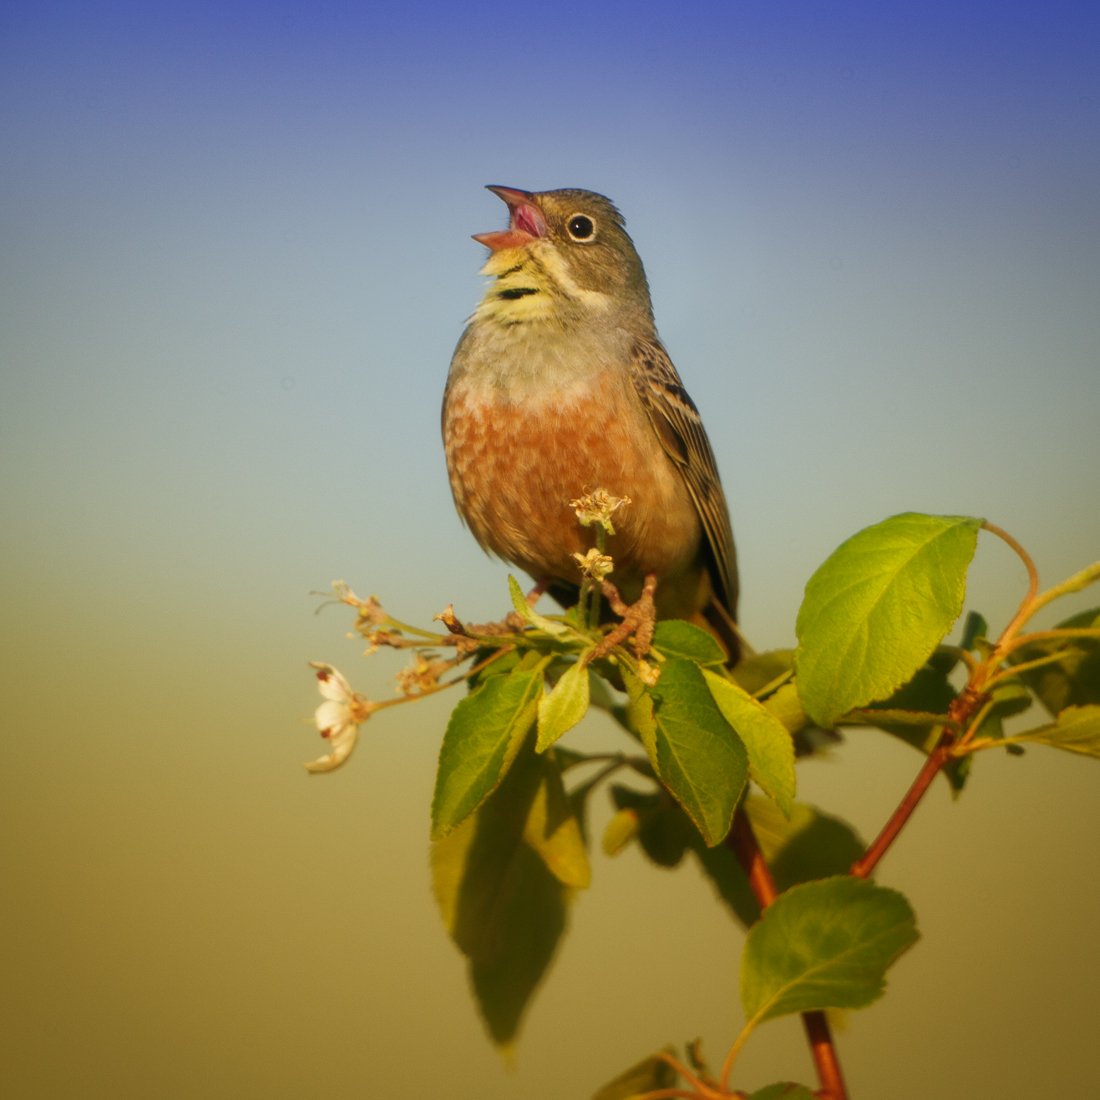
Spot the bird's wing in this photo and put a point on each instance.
(680, 429)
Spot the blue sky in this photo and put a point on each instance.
(235, 259)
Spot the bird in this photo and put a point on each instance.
(559, 385)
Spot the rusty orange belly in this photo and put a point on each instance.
(515, 466)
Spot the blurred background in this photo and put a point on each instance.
(234, 242)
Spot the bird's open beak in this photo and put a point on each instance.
(525, 224)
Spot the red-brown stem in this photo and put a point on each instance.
(745, 846)
(824, 1054)
(939, 756)
(969, 701)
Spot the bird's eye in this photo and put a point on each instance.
(581, 227)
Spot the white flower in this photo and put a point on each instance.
(594, 565)
(598, 507)
(338, 718)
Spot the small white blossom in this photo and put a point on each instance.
(338, 717)
(594, 565)
(598, 507)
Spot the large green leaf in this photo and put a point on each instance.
(498, 881)
(1076, 729)
(766, 739)
(877, 608)
(483, 736)
(695, 752)
(825, 944)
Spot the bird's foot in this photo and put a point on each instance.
(639, 619)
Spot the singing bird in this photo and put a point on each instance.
(560, 386)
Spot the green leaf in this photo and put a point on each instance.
(1076, 729)
(648, 1075)
(825, 944)
(696, 753)
(876, 609)
(784, 1090)
(483, 736)
(675, 638)
(766, 739)
(563, 706)
(1073, 677)
(504, 908)
(769, 677)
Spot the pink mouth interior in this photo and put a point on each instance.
(527, 218)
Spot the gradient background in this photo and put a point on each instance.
(235, 261)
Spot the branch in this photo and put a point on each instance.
(742, 840)
(970, 700)
(937, 758)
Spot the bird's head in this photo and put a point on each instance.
(564, 254)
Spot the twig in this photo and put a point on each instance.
(1028, 604)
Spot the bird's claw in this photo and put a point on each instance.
(639, 619)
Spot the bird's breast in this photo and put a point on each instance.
(518, 455)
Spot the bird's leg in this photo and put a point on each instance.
(537, 591)
(639, 619)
